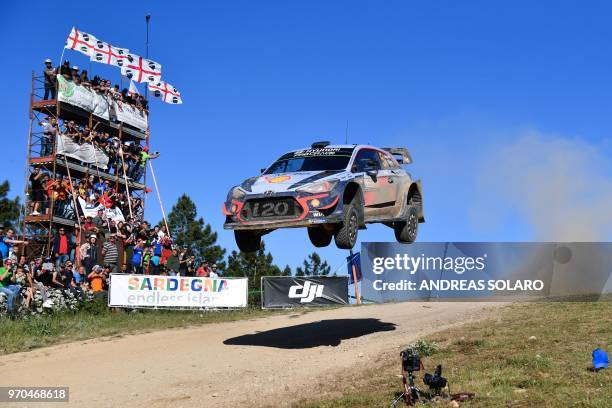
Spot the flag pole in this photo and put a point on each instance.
(148, 20)
(161, 205)
(354, 271)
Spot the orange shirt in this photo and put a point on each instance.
(96, 283)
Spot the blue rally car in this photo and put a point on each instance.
(332, 190)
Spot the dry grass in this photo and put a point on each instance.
(497, 360)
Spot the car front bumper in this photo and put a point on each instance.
(315, 209)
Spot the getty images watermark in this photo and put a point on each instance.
(458, 265)
(484, 271)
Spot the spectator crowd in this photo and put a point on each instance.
(125, 159)
(83, 254)
(80, 263)
(100, 85)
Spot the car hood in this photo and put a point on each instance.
(280, 182)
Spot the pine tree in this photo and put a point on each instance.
(9, 209)
(188, 230)
(313, 266)
(254, 265)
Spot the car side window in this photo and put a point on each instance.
(360, 164)
(387, 161)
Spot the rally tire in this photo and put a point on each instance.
(319, 236)
(346, 235)
(406, 231)
(247, 240)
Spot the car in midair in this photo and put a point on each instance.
(331, 190)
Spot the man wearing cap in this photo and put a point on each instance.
(50, 79)
(76, 78)
(96, 279)
(144, 155)
(49, 126)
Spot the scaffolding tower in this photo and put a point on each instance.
(39, 229)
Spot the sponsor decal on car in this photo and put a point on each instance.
(277, 179)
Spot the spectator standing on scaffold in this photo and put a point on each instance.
(50, 79)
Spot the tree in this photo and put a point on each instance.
(254, 265)
(313, 266)
(192, 232)
(9, 209)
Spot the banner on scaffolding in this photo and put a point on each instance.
(123, 112)
(82, 97)
(101, 106)
(91, 210)
(85, 152)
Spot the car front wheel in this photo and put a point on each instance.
(248, 240)
(346, 236)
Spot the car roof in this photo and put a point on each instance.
(337, 146)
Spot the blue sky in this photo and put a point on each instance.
(458, 83)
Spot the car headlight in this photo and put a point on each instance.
(236, 193)
(319, 187)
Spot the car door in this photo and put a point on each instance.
(377, 192)
(401, 181)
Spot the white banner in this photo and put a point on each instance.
(82, 97)
(100, 105)
(91, 210)
(126, 113)
(85, 152)
(176, 291)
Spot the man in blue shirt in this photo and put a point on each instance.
(7, 242)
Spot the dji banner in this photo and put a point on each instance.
(488, 271)
(288, 291)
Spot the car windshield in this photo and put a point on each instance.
(333, 158)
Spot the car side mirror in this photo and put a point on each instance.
(371, 170)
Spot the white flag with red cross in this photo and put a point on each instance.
(140, 69)
(105, 53)
(167, 92)
(81, 42)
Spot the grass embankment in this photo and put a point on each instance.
(498, 361)
(96, 320)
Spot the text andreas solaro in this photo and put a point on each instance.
(484, 271)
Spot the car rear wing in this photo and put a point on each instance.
(400, 154)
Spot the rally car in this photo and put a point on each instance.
(332, 190)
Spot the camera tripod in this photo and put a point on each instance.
(411, 392)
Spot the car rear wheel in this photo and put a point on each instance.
(346, 236)
(406, 232)
(247, 240)
(319, 236)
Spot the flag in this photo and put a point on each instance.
(105, 53)
(354, 260)
(81, 42)
(167, 92)
(141, 69)
(133, 90)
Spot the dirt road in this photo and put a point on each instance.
(264, 361)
